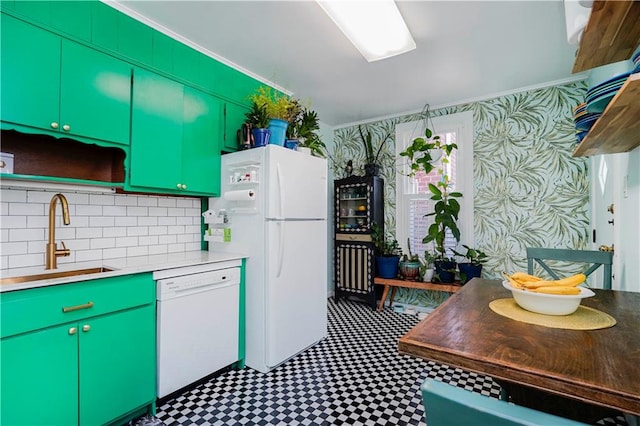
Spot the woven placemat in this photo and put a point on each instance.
(584, 318)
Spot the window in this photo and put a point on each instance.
(413, 198)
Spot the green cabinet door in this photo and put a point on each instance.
(200, 143)
(39, 379)
(30, 75)
(156, 132)
(234, 117)
(95, 94)
(117, 364)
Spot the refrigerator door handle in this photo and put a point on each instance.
(280, 249)
(280, 191)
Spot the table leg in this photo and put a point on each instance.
(385, 292)
(393, 294)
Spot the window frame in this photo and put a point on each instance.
(462, 124)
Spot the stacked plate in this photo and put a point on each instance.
(636, 61)
(599, 96)
(583, 120)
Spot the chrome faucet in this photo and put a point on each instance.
(52, 249)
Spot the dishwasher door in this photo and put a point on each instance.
(198, 326)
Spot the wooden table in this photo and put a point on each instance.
(394, 284)
(599, 367)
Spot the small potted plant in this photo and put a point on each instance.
(371, 166)
(280, 109)
(410, 265)
(472, 268)
(301, 132)
(388, 252)
(426, 266)
(258, 120)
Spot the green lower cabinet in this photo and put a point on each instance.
(94, 367)
(116, 364)
(39, 379)
(174, 138)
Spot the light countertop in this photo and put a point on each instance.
(119, 266)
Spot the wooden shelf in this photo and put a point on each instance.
(618, 128)
(611, 35)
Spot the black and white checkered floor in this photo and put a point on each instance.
(355, 376)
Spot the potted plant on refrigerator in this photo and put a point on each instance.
(473, 267)
(259, 121)
(388, 252)
(371, 165)
(301, 132)
(446, 209)
(280, 109)
(410, 265)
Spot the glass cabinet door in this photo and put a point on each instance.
(353, 208)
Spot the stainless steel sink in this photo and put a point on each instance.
(51, 275)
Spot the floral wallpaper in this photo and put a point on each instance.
(528, 190)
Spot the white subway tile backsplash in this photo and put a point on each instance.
(26, 234)
(103, 200)
(166, 202)
(148, 202)
(127, 242)
(15, 248)
(89, 232)
(13, 196)
(103, 243)
(88, 210)
(114, 210)
(157, 211)
(101, 221)
(137, 211)
(126, 221)
(137, 231)
(137, 251)
(24, 260)
(13, 222)
(126, 200)
(103, 226)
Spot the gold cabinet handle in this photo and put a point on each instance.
(86, 328)
(66, 127)
(54, 125)
(73, 330)
(77, 307)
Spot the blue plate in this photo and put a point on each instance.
(599, 104)
(621, 77)
(587, 123)
(581, 135)
(607, 92)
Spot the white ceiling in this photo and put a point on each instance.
(465, 50)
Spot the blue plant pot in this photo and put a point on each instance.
(291, 144)
(278, 130)
(445, 271)
(260, 137)
(387, 266)
(468, 271)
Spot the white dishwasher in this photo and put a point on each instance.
(198, 324)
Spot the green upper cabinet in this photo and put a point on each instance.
(54, 86)
(234, 116)
(174, 138)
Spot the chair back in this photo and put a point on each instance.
(592, 257)
(447, 405)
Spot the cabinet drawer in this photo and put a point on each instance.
(32, 309)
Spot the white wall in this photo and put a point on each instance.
(103, 226)
(326, 134)
(628, 244)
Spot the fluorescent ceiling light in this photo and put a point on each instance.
(375, 27)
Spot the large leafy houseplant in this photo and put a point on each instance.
(472, 268)
(420, 155)
(303, 127)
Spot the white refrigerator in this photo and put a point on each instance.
(275, 200)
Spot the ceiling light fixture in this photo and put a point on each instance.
(375, 27)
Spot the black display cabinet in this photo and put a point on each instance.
(359, 202)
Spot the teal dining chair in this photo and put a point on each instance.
(448, 405)
(594, 258)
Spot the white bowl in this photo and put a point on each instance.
(548, 304)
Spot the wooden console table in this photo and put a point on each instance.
(388, 283)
